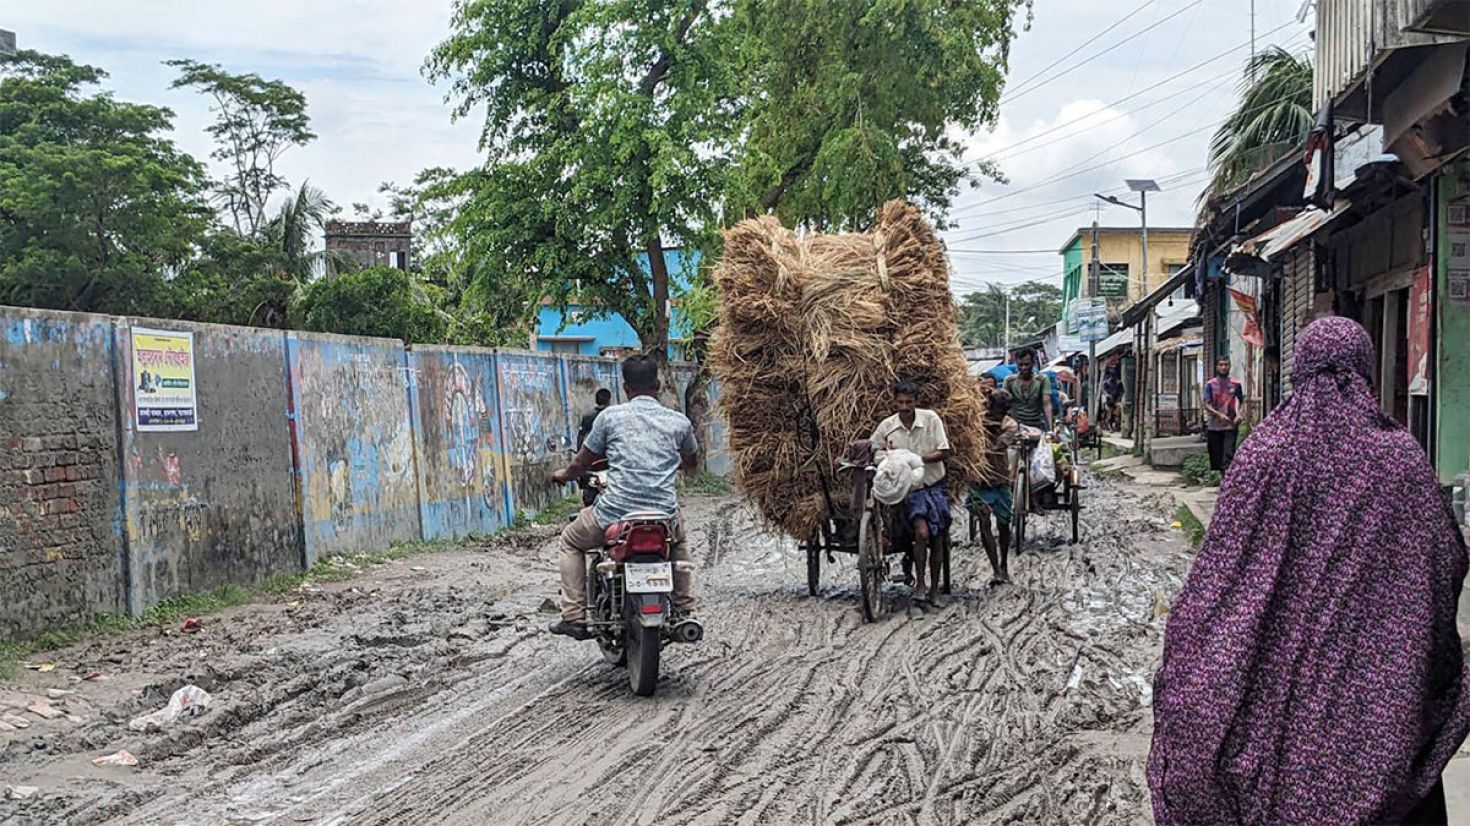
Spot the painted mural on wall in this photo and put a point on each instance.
(386, 446)
(354, 443)
(461, 482)
(585, 376)
(534, 427)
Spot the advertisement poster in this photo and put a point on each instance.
(163, 370)
(1457, 236)
(1092, 318)
(1247, 306)
(1419, 320)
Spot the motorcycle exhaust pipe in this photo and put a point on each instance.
(689, 631)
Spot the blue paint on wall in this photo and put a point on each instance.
(461, 476)
(584, 331)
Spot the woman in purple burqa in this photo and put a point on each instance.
(1312, 671)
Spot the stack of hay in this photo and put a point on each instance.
(813, 335)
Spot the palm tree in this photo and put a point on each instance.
(1274, 117)
(291, 232)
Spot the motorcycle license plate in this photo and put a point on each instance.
(648, 577)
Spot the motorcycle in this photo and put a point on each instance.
(593, 482)
(630, 597)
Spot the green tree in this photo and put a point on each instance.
(983, 313)
(852, 104)
(97, 207)
(256, 122)
(293, 230)
(375, 301)
(1274, 117)
(605, 128)
(446, 271)
(234, 280)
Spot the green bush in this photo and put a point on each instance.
(377, 301)
(1197, 472)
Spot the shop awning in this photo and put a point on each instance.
(1116, 341)
(1134, 314)
(980, 367)
(1170, 345)
(1180, 319)
(1252, 252)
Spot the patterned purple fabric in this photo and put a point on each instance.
(1312, 671)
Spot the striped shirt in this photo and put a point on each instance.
(643, 442)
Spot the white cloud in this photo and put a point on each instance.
(358, 63)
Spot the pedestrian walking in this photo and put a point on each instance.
(1224, 405)
(1312, 670)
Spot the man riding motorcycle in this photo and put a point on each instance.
(646, 445)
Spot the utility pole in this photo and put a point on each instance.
(1143, 337)
(1094, 292)
(1252, 63)
(1006, 336)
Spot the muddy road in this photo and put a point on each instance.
(426, 691)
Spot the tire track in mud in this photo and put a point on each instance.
(1017, 704)
(804, 714)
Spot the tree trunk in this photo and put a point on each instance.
(656, 341)
(658, 269)
(696, 397)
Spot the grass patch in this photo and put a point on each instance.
(705, 484)
(176, 609)
(1190, 524)
(559, 511)
(1197, 472)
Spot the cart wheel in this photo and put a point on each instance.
(1020, 494)
(813, 567)
(944, 546)
(870, 566)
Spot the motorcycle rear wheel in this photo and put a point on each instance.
(642, 649)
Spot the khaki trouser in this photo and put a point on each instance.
(583, 535)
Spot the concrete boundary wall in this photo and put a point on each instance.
(213, 506)
(306, 445)
(61, 535)
(534, 425)
(461, 470)
(353, 443)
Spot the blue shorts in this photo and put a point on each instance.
(997, 500)
(930, 504)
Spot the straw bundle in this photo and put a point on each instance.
(813, 334)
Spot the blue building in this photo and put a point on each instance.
(583, 330)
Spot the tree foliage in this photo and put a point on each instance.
(256, 122)
(97, 208)
(852, 104)
(983, 312)
(1274, 117)
(602, 121)
(375, 301)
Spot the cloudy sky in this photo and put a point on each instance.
(1098, 92)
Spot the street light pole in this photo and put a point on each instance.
(1006, 336)
(1143, 186)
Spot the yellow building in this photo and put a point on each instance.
(1120, 253)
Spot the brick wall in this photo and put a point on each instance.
(60, 535)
